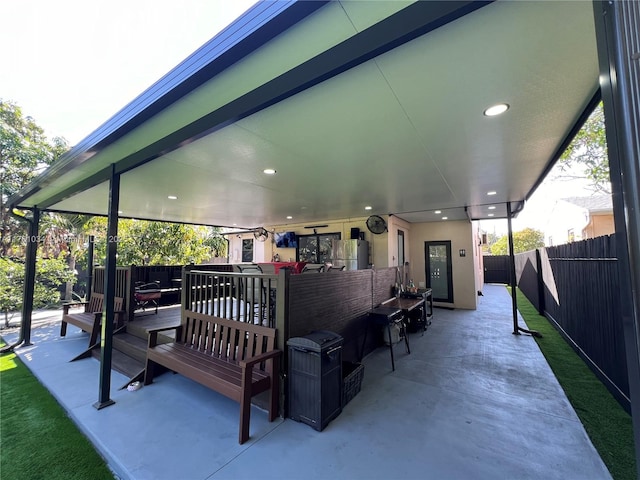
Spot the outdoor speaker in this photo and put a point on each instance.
(355, 234)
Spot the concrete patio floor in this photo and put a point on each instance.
(471, 401)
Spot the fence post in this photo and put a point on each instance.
(541, 306)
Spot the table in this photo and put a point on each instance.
(409, 304)
(386, 315)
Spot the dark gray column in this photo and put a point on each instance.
(30, 277)
(512, 272)
(90, 266)
(108, 314)
(618, 38)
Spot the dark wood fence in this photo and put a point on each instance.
(576, 287)
(496, 269)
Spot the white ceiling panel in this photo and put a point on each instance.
(403, 132)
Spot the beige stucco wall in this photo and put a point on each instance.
(464, 276)
(599, 225)
(378, 244)
(467, 274)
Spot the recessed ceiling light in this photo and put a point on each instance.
(445, 218)
(120, 212)
(368, 207)
(492, 192)
(438, 212)
(496, 109)
(492, 207)
(269, 171)
(490, 215)
(289, 217)
(172, 197)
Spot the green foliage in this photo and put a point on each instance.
(523, 241)
(50, 274)
(24, 153)
(588, 152)
(142, 242)
(38, 439)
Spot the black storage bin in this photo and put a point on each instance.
(315, 378)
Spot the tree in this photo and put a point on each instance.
(142, 242)
(588, 152)
(51, 273)
(24, 153)
(64, 233)
(523, 241)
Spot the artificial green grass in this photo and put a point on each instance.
(37, 439)
(606, 422)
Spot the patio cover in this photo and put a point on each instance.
(354, 104)
(366, 103)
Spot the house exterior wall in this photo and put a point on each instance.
(467, 271)
(599, 225)
(378, 244)
(464, 275)
(395, 224)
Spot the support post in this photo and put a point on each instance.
(540, 276)
(617, 33)
(90, 266)
(30, 277)
(512, 269)
(512, 272)
(108, 314)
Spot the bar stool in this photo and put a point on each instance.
(390, 316)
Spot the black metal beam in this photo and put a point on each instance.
(108, 313)
(512, 272)
(617, 32)
(92, 240)
(29, 279)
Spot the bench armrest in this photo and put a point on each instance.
(251, 361)
(67, 305)
(153, 334)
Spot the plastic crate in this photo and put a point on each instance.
(353, 373)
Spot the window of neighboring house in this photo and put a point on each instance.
(551, 241)
(571, 236)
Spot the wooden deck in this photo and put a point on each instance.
(130, 343)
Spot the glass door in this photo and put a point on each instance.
(438, 270)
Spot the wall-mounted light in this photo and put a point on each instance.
(463, 252)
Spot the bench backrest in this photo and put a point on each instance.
(96, 303)
(227, 339)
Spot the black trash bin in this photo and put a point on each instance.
(315, 378)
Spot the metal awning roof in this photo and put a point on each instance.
(354, 104)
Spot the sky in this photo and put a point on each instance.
(72, 64)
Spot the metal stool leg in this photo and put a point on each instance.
(393, 365)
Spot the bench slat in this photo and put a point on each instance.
(209, 351)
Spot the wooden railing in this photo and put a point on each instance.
(245, 297)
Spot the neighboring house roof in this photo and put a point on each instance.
(355, 104)
(594, 204)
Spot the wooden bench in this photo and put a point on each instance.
(236, 359)
(90, 320)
